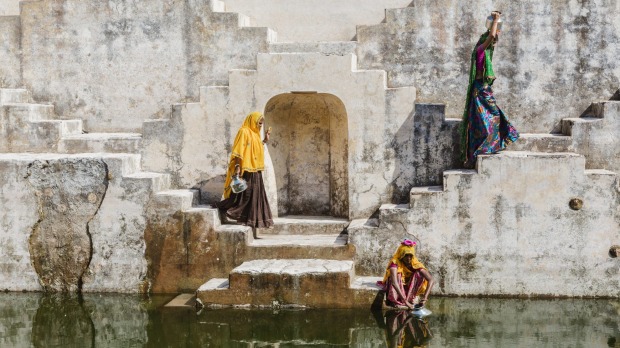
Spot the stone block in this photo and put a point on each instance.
(100, 142)
(10, 48)
(69, 194)
(306, 225)
(542, 143)
(14, 96)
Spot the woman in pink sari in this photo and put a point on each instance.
(406, 280)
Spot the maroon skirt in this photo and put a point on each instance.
(251, 206)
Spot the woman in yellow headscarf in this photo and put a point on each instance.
(406, 278)
(247, 160)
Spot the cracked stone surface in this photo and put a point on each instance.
(69, 193)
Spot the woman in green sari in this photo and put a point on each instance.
(485, 129)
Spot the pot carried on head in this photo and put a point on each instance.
(489, 22)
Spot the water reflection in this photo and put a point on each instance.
(402, 329)
(62, 321)
(35, 320)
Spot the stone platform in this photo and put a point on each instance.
(292, 283)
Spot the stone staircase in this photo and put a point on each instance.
(303, 261)
(32, 127)
(510, 207)
(573, 131)
(243, 21)
(291, 283)
(31, 133)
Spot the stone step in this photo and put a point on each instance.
(239, 19)
(218, 6)
(306, 225)
(334, 247)
(29, 112)
(569, 123)
(158, 181)
(339, 48)
(417, 192)
(37, 136)
(101, 142)
(257, 274)
(386, 211)
(14, 96)
(296, 283)
(207, 214)
(179, 200)
(396, 14)
(542, 143)
(121, 165)
(182, 301)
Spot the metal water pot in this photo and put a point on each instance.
(489, 23)
(238, 184)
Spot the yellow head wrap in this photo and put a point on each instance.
(248, 147)
(405, 248)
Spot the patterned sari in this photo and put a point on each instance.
(488, 129)
(485, 129)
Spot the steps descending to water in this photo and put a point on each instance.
(296, 283)
(298, 224)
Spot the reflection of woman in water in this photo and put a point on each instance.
(406, 278)
(247, 160)
(485, 129)
(404, 330)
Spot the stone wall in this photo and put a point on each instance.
(72, 223)
(10, 51)
(115, 63)
(18, 215)
(196, 141)
(117, 60)
(510, 228)
(314, 20)
(9, 7)
(596, 136)
(552, 60)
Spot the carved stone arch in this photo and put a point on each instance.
(309, 151)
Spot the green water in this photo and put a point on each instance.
(35, 320)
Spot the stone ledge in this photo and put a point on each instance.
(300, 283)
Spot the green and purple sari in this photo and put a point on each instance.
(485, 129)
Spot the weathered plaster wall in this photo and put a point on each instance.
(116, 63)
(314, 20)
(507, 229)
(10, 50)
(373, 111)
(9, 7)
(423, 146)
(118, 263)
(69, 193)
(74, 222)
(552, 60)
(309, 153)
(18, 215)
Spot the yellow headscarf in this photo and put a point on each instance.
(406, 247)
(248, 146)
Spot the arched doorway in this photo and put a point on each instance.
(309, 150)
